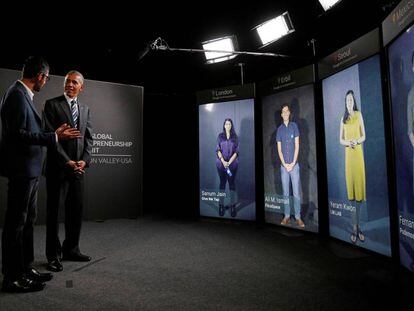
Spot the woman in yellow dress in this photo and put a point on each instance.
(352, 135)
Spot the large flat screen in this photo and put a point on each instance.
(356, 156)
(291, 187)
(401, 55)
(227, 159)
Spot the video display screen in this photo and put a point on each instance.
(227, 159)
(356, 156)
(289, 152)
(401, 67)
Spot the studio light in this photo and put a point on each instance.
(327, 4)
(274, 29)
(228, 43)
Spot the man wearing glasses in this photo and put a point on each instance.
(21, 163)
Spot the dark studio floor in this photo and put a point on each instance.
(155, 263)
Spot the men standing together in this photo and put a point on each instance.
(68, 137)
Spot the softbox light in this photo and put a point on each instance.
(327, 4)
(224, 44)
(274, 29)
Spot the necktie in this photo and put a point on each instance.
(74, 110)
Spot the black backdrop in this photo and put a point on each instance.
(113, 183)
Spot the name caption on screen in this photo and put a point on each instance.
(337, 208)
(405, 225)
(213, 196)
(272, 202)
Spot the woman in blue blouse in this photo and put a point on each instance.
(227, 163)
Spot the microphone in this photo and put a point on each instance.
(151, 46)
(154, 45)
(159, 44)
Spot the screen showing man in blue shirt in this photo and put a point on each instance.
(287, 138)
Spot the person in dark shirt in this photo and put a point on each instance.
(287, 138)
(227, 152)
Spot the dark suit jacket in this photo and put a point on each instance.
(22, 135)
(57, 112)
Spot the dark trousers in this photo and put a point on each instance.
(17, 238)
(68, 192)
(224, 177)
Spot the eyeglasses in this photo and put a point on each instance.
(46, 76)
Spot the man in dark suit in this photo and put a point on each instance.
(21, 162)
(65, 169)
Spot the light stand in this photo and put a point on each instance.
(241, 72)
(161, 45)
